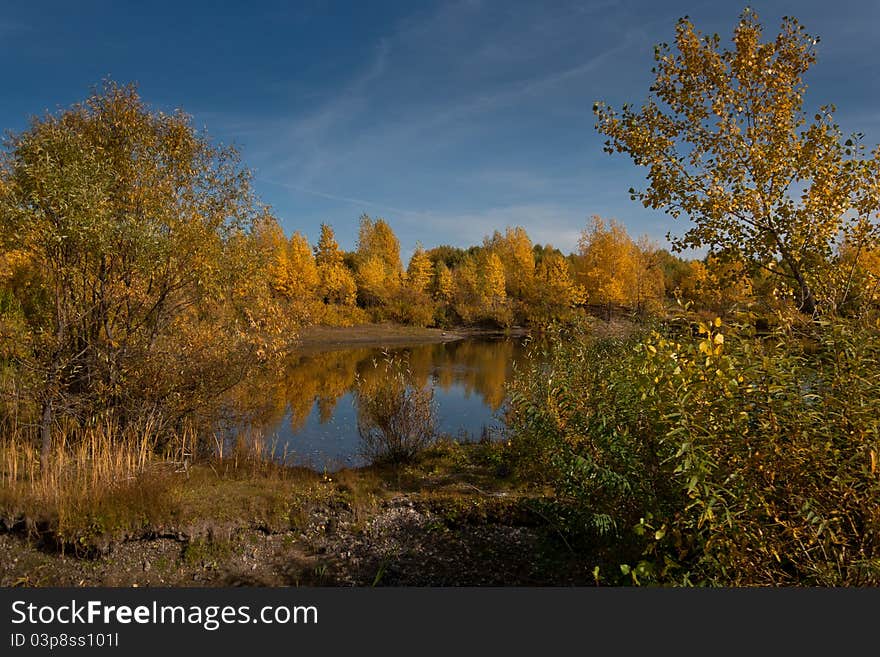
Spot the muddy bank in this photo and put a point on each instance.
(322, 338)
(407, 541)
(455, 517)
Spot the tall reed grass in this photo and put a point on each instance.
(103, 482)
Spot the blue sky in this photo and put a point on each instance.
(449, 119)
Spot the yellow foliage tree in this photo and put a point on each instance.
(445, 285)
(871, 271)
(465, 299)
(555, 291)
(336, 284)
(514, 248)
(726, 142)
(151, 297)
(608, 264)
(327, 249)
(292, 271)
(11, 263)
(419, 272)
(717, 285)
(479, 289)
(379, 270)
(650, 280)
(492, 281)
(372, 280)
(858, 276)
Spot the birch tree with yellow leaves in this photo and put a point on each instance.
(514, 250)
(379, 270)
(336, 284)
(292, 272)
(420, 271)
(607, 265)
(555, 290)
(727, 142)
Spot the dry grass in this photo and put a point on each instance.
(106, 481)
(110, 484)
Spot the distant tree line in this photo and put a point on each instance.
(507, 280)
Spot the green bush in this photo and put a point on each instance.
(713, 456)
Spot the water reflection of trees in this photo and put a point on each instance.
(321, 379)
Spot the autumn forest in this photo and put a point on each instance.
(701, 413)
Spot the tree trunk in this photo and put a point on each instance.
(808, 301)
(45, 435)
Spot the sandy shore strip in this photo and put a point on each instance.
(388, 334)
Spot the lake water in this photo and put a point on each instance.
(310, 413)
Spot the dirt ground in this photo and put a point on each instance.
(343, 337)
(408, 540)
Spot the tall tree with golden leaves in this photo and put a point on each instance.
(379, 269)
(492, 281)
(716, 284)
(607, 264)
(336, 284)
(327, 249)
(727, 142)
(292, 271)
(650, 286)
(420, 271)
(445, 286)
(514, 249)
(555, 291)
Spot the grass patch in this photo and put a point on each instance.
(111, 486)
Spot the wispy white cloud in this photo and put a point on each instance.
(528, 181)
(307, 136)
(344, 104)
(545, 223)
(359, 146)
(556, 225)
(415, 104)
(361, 202)
(315, 151)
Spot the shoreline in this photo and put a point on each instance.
(322, 338)
(405, 525)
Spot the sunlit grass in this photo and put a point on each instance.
(110, 484)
